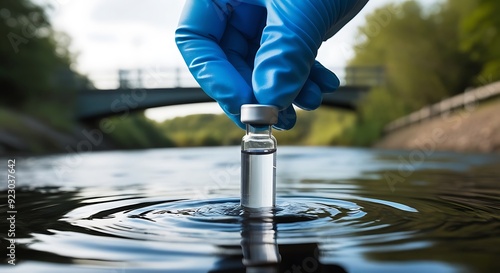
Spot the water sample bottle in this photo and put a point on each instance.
(258, 156)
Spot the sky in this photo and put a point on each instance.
(126, 34)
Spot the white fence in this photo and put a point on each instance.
(447, 105)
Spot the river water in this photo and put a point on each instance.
(176, 210)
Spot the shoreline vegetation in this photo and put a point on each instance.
(429, 53)
(475, 130)
(25, 134)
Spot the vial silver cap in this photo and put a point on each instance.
(259, 114)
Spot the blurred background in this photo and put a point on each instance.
(424, 73)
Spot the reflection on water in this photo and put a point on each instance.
(338, 210)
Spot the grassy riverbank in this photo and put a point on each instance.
(23, 133)
(26, 134)
(324, 126)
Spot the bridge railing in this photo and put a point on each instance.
(149, 77)
(456, 102)
(172, 77)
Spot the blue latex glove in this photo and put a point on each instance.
(262, 51)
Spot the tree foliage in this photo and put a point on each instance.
(423, 53)
(36, 65)
(481, 38)
(321, 127)
(136, 131)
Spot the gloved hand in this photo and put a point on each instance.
(262, 51)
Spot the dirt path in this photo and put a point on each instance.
(476, 129)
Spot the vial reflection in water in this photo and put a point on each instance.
(258, 157)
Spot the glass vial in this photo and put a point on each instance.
(258, 156)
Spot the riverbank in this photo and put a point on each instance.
(474, 129)
(29, 134)
(24, 134)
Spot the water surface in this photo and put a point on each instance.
(177, 210)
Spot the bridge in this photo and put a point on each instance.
(140, 89)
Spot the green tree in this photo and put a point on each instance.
(481, 38)
(419, 49)
(321, 127)
(136, 131)
(35, 75)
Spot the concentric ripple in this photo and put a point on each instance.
(221, 220)
(120, 212)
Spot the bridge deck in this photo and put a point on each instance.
(138, 90)
(94, 104)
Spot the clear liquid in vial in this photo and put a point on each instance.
(258, 178)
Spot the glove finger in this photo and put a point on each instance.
(326, 80)
(290, 42)
(345, 12)
(321, 80)
(289, 46)
(286, 119)
(200, 30)
(236, 118)
(235, 46)
(310, 96)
